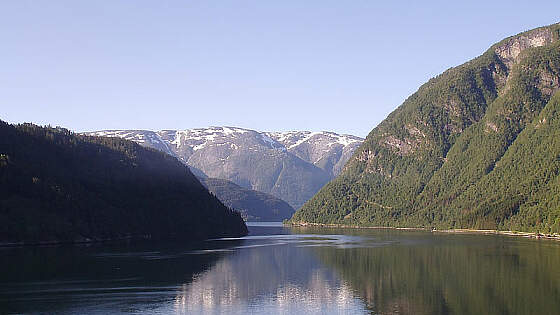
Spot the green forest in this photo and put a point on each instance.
(475, 147)
(253, 205)
(58, 186)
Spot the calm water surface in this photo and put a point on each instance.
(279, 270)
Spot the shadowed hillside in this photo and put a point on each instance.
(61, 187)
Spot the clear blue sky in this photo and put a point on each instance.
(266, 65)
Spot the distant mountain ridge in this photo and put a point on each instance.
(326, 150)
(292, 166)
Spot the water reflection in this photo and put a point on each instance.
(424, 273)
(100, 279)
(269, 275)
(290, 271)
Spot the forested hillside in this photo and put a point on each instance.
(476, 147)
(62, 187)
(253, 205)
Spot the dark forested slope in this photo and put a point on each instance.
(475, 147)
(60, 187)
(253, 205)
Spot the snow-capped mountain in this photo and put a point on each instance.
(290, 165)
(326, 150)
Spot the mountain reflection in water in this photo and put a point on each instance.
(270, 274)
(290, 271)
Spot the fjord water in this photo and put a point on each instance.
(289, 271)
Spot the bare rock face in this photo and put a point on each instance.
(510, 50)
(548, 83)
(292, 166)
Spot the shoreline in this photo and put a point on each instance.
(533, 235)
(81, 241)
(116, 240)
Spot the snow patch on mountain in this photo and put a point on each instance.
(292, 139)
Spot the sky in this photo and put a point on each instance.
(340, 66)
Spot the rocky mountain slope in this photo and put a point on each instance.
(292, 166)
(326, 150)
(475, 147)
(62, 187)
